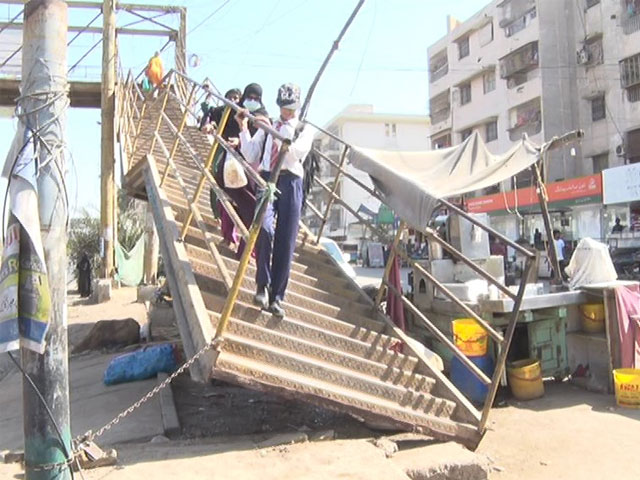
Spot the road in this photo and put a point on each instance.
(372, 276)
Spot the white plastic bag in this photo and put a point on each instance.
(233, 173)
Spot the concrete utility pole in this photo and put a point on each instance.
(44, 69)
(107, 185)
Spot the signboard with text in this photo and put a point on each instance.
(569, 192)
(621, 184)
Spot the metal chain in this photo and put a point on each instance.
(89, 435)
(51, 466)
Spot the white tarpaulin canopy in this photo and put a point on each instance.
(412, 182)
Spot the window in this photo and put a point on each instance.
(598, 108)
(600, 162)
(591, 3)
(630, 16)
(491, 131)
(465, 93)
(485, 34)
(463, 47)
(440, 107)
(489, 82)
(390, 130)
(630, 71)
(633, 94)
(465, 134)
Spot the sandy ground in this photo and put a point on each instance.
(568, 434)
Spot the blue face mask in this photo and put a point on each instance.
(251, 105)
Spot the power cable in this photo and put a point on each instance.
(205, 19)
(366, 47)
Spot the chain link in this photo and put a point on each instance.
(89, 435)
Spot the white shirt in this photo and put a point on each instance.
(559, 243)
(251, 147)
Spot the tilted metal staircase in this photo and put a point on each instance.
(334, 347)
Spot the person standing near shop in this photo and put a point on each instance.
(559, 245)
(277, 238)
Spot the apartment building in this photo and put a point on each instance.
(542, 68)
(360, 126)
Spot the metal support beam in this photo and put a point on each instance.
(334, 190)
(390, 260)
(44, 69)
(107, 137)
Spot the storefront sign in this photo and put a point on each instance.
(621, 184)
(568, 192)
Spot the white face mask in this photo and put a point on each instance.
(251, 105)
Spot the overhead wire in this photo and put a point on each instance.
(208, 17)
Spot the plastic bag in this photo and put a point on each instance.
(146, 85)
(141, 364)
(233, 173)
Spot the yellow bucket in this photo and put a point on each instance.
(525, 379)
(592, 317)
(627, 383)
(470, 337)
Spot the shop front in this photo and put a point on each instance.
(575, 208)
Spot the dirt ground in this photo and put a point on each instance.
(568, 434)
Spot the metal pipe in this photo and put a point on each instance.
(212, 182)
(207, 165)
(467, 261)
(323, 222)
(345, 173)
(490, 330)
(107, 137)
(225, 315)
(174, 147)
(504, 349)
(486, 228)
(441, 336)
(193, 208)
(162, 108)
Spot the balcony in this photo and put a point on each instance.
(514, 10)
(520, 61)
(527, 119)
(440, 108)
(438, 66)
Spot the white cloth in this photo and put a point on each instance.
(412, 182)
(559, 243)
(590, 263)
(251, 147)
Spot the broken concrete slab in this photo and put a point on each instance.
(101, 291)
(444, 461)
(92, 405)
(170, 421)
(283, 439)
(389, 447)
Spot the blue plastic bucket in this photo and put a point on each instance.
(467, 382)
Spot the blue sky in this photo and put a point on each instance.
(381, 61)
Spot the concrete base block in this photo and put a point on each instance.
(446, 461)
(101, 291)
(145, 293)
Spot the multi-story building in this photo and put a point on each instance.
(544, 68)
(360, 126)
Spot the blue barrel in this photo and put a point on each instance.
(467, 382)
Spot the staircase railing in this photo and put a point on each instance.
(503, 341)
(135, 107)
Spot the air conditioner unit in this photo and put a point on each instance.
(584, 56)
(621, 151)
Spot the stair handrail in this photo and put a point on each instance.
(503, 340)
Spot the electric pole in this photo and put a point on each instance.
(107, 103)
(44, 102)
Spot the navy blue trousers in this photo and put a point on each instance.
(277, 239)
